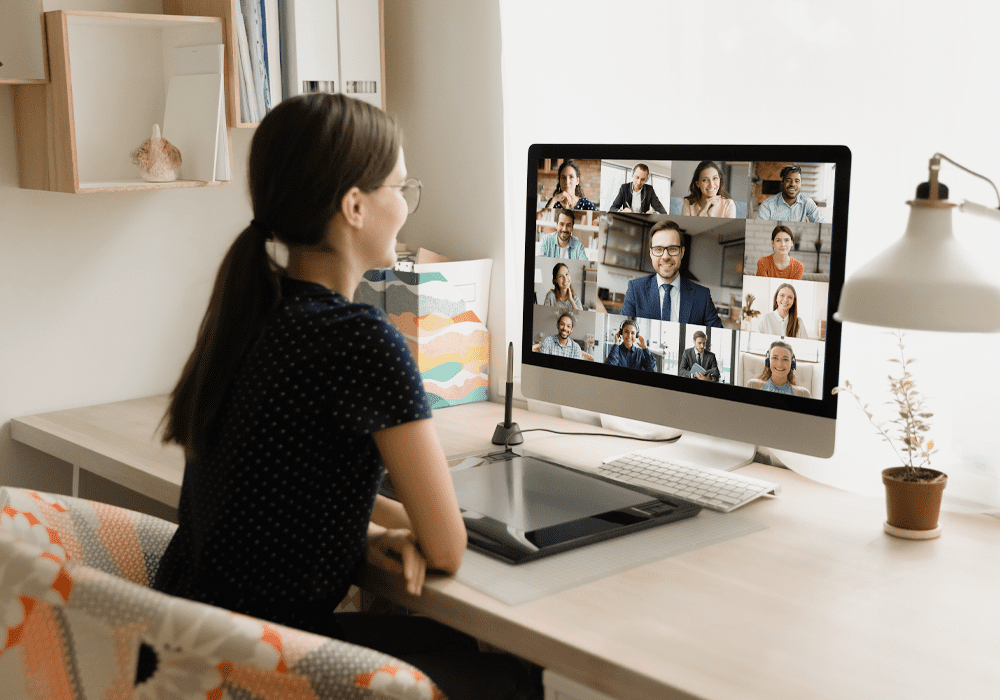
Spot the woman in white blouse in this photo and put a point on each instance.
(784, 319)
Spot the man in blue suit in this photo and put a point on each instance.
(665, 294)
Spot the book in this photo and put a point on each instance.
(246, 70)
(271, 21)
(255, 44)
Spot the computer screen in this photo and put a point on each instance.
(688, 286)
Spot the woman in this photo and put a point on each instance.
(295, 397)
(708, 196)
(561, 294)
(568, 193)
(783, 319)
(779, 372)
(780, 263)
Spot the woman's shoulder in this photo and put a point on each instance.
(585, 204)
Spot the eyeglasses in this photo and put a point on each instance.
(671, 250)
(411, 193)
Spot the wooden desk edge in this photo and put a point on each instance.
(99, 457)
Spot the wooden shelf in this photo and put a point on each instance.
(108, 81)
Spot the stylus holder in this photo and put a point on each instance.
(504, 435)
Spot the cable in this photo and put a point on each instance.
(508, 449)
(971, 172)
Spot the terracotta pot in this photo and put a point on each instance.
(912, 505)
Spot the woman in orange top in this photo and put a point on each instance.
(780, 263)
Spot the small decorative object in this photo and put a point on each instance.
(748, 311)
(912, 492)
(158, 159)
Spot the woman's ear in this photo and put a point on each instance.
(352, 207)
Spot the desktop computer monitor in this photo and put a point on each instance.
(752, 240)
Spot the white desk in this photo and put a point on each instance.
(822, 604)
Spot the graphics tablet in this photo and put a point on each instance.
(518, 509)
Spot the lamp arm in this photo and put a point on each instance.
(971, 172)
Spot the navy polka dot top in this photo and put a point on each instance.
(274, 518)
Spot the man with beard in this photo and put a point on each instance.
(630, 350)
(562, 243)
(790, 204)
(665, 295)
(561, 344)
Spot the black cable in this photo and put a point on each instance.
(508, 448)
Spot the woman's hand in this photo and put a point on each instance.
(714, 206)
(396, 551)
(641, 341)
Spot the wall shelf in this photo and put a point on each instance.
(109, 74)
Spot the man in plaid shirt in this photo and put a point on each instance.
(560, 343)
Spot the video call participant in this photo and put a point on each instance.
(561, 344)
(568, 193)
(789, 204)
(562, 294)
(708, 196)
(665, 295)
(784, 319)
(638, 197)
(279, 412)
(698, 355)
(562, 243)
(780, 263)
(630, 349)
(779, 372)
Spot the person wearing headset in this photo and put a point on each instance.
(779, 372)
(630, 349)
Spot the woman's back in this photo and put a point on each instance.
(291, 474)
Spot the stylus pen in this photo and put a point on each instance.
(508, 404)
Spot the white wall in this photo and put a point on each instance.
(895, 81)
(102, 294)
(443, 84)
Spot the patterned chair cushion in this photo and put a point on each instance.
(71, 630)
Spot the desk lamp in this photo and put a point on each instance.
(925, 281)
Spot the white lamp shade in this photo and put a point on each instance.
(925, 281)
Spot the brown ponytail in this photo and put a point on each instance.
(306, 154)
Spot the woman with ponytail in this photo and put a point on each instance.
(295, 398)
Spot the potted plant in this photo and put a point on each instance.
(747, 313)
(912, 491)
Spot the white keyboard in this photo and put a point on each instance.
(712, 488)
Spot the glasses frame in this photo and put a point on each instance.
(410, 184)
(666, 249)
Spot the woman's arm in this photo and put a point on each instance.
(416, 463)
(390, 514)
